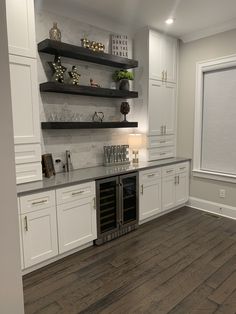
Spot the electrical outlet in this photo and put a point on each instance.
(222, 193)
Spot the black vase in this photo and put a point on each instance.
(124, 84)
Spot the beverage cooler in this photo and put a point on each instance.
(117, 206)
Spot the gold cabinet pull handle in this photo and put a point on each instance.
(26, 223)
(77, 193)
(163, 75)
(39, 202)
(94, 202)
(142, 189)
(175, 179)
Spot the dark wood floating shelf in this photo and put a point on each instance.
(54, 87)
(70, 51)
(88, 125)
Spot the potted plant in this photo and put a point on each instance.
(123, 77)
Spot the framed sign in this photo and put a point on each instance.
(119, 45)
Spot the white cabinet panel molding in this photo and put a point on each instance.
(24, 92)
(21, 27)
(28, 172)
(39, 231)
(77, 224)
(27, 153)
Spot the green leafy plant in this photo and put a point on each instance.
(122, 74)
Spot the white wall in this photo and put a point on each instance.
(11, 297)
(208, 48)
(86, 145)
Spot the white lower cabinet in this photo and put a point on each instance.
(175, 185)
(39, 236)
(150, 193)
(162, 189)
(168, 192)
(77, 224)
(182, 188)
(54, 222)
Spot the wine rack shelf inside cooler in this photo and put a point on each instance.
(129, 200)
(108, 210)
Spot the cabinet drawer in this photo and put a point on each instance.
(168, 170)
(27, 153)
(151, 174)
(160, 153)
(33, 202)
(28, 172)
(75, 192)
(160, 141)
(183, 167)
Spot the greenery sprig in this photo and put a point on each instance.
(122, 74)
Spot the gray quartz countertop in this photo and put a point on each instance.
(90, 174)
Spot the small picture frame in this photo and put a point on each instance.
(48, 166)
(119, 45)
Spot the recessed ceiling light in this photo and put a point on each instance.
(170, 21)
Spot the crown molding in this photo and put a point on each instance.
(206, 32)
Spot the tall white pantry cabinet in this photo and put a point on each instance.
(155, 80)
(24, 89)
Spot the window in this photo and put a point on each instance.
(215, 120)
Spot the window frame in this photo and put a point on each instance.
(201, 68)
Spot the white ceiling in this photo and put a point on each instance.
(194, 18)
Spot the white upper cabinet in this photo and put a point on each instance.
(161, 109)
(21, 27)
(162, 57)
(24, 94)
(156, 57)
(170, 58)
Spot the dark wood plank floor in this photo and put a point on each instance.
(183, 262)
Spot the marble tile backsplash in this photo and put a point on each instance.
(86, 145)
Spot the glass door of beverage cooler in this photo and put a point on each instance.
(129, 198)
(108, 205)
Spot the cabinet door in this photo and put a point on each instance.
(169, 104)
(21, 27)
(156, 108)
(170, 47)
(182, 188)
(149, 198)
(24, 93)
(129, 199)
(156, 55)
(21, 245)
(168, 192)
(161, 108)
(39, 233)
(76, 223)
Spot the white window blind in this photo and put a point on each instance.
(218, 151)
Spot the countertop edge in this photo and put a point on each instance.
(168, 162)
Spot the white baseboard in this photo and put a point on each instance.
(211, 207)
